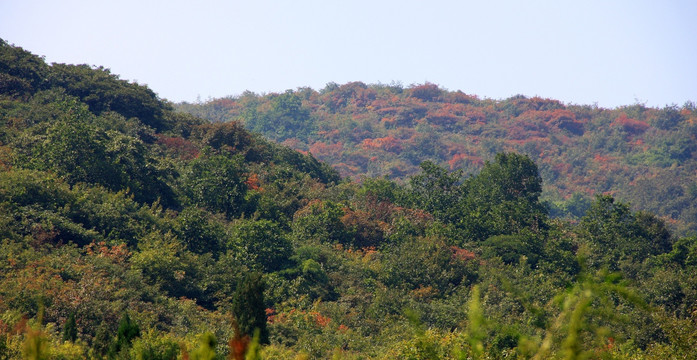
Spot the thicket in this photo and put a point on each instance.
(640, 155)
(131, 231)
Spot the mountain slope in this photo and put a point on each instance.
(130, 231)
(644, 156)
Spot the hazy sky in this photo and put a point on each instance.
(611, 53)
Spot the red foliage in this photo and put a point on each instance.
(462, 254)
(426, 92)
(458, 159)
(323, 150)
(387, 143)
(446, 115)
(185, 149)
(475, 115)
(117, 254)
(225, 103)
(629, 125)
(293, 143)
(460, 97)
(253, 182)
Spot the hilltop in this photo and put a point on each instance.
(644, 156)
(129, 230)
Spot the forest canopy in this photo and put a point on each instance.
(643, 156)
(130, 230)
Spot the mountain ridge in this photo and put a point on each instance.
(377, 130)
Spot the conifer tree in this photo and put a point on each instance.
(248, 307)
(70, 329)
(127, 331)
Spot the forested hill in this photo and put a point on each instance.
(644, 156)
(129, 230)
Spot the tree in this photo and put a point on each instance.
(103, 91)
(504, 198)
(198, 231)
(248, 307)
(217, 183)
(70, 329)
(436, 191)
(286, 119)
(618, 233)
(127, 331)
(265, 242)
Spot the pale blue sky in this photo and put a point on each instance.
(611, 53)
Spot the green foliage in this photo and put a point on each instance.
(206, 348)
(152, 346)
(320, 221)
(199, 232)
(475, 327)
(113, 206)
(287, 118)
(617, 232)
(103, 91)
(217, 183)
(70, 329)
(36, 345)
(510, 248)
(436, 191)
(249, 308)
(22, 71)
(265, 243)
(506, 196)
(127, 331)
(427, 263)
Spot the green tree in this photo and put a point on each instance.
(217, 183)
(248, 307)
(103, 91)
(126, 332)
(287, 118)
(21, 66)
(199, 231)
(504, 198)
(206, 348)
(436, 191)
(617, 233)
(264, 241)
(70, 329)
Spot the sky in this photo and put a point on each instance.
(607, 53)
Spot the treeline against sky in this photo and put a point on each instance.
(644, 156)
(129, 230)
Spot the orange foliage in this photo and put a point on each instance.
(5, 158)
(387, 143)
(462, 254)
(181, 147)
(629, 125)
(426, 92)
(476, 115)
(117, 254)
(323, 150)
(446, 115)
(459, 159)
(253, 182)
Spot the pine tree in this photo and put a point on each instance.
(249, 309)
(127, 331)
(70, 329)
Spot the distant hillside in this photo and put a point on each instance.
(131, 231)
(645, 156)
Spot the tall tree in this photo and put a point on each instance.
(248, 307)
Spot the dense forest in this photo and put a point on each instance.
(646, 157)
(132, 230)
